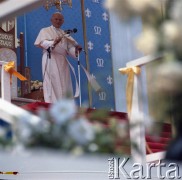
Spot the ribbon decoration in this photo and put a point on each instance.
(10, 68)
(130, 71)
(94, 84)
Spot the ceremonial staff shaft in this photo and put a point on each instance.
(86, 48)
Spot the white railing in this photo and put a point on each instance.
(137, 134)
(11, 113)
(5, 83)
(8, 111)
(8, 91)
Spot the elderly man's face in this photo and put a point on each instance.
(57, 20)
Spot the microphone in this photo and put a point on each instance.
(69, 31)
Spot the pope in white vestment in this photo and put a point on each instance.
(56, 46)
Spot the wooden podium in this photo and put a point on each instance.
(37, 95)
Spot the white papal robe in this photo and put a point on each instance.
(56, 73)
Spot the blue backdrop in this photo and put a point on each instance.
(98, 43)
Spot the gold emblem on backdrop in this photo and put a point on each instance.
(57, 3)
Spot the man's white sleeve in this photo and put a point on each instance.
(46, 44)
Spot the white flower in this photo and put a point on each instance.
(40, 84)
(119, 7)
(23, 131)
(109, 4)
(77, 151)
(2, 132)
(142, 6)
(126, 9)
(171, 32)
(32, 87)
(63, 110)
(81, 131)
(98, 127)
(43, 125)
(36, 86)
(25, 121)
(176, 13)
(170, 74)
(122, 129)
(148, 41)
(93, 147)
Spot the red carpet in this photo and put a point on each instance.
(33, 107)
(159, 143)
(154, 144)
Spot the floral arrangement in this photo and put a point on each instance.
(63, 126)
(36, 85)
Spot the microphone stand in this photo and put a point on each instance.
(79, 82)
(78, 60)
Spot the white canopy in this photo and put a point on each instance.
(13, 8)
